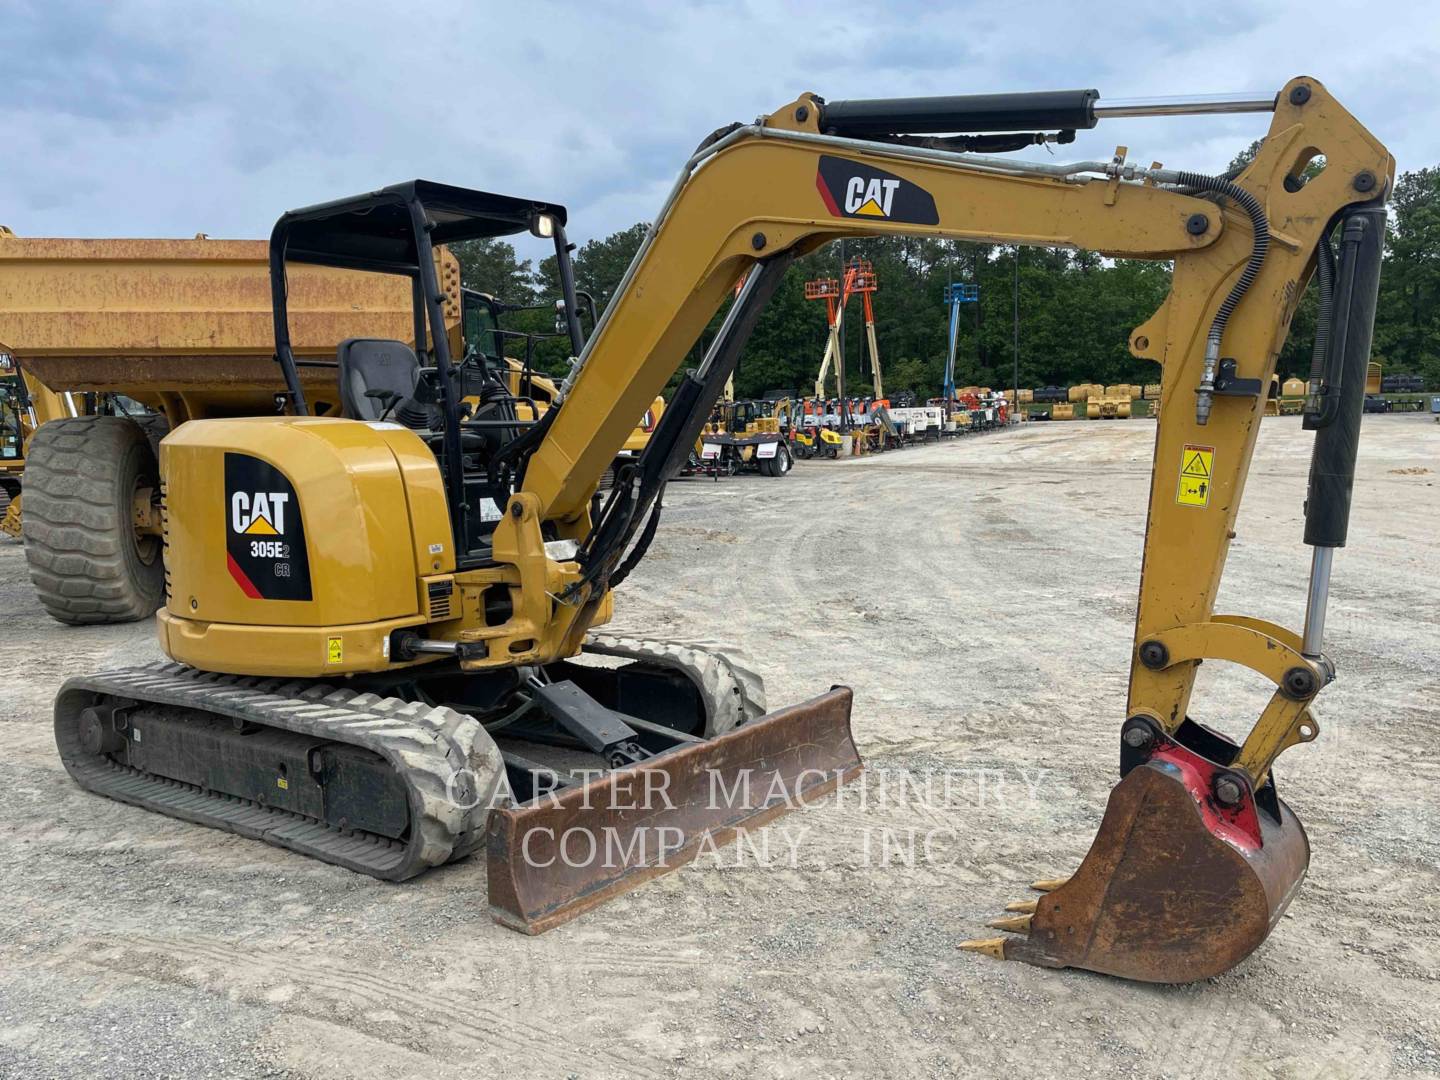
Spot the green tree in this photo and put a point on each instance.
(599, 265)
(1407, 331)
(491, 266)
(1077, 309)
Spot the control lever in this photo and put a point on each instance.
(388, 400)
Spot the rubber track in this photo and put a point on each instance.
(427, 746)
(734, 692)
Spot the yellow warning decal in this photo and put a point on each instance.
(1197, 463)
(282, 783)
(334, 650)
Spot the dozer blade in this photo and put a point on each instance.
(561, 854)
(1175, 887)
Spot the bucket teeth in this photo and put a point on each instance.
(1015, 924)
(1048, 884)
(990, 946)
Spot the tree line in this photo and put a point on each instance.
(1076, 310)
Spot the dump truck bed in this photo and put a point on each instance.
(185, 325)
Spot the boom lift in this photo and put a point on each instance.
(450, 630)
(864, 282)
(957, 294)
(859, 278)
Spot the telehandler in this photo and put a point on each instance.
(374, 625)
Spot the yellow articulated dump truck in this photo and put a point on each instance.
(118, 341)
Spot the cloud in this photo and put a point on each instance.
(155, 117)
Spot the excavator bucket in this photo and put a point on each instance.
(1176, 886)
(562, 853)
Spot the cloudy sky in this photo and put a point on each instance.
(165, 118)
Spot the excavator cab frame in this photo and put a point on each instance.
(480, 323)
(396, 230)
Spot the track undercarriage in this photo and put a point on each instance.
(391, 777)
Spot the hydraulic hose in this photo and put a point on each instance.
(1229, 174)
(642, 545)
(1260, 246)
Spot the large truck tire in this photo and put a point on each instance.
(778, 465)
(87, 561)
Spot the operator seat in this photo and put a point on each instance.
(378, 364)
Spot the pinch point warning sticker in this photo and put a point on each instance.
(335, 650)
(1197, 464)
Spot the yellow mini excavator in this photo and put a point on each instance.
(380, 620)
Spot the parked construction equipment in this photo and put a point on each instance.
(1392, 393)
(858, 279)
(957, 294)
(746, 435)
(119, 340)
(17, 422)
(1108, 402)
(1292, 396)
(1402, 384)
(453, 621)
(811, 436)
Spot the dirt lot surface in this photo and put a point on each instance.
(979, 596)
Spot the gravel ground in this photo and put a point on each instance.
(979, 596)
